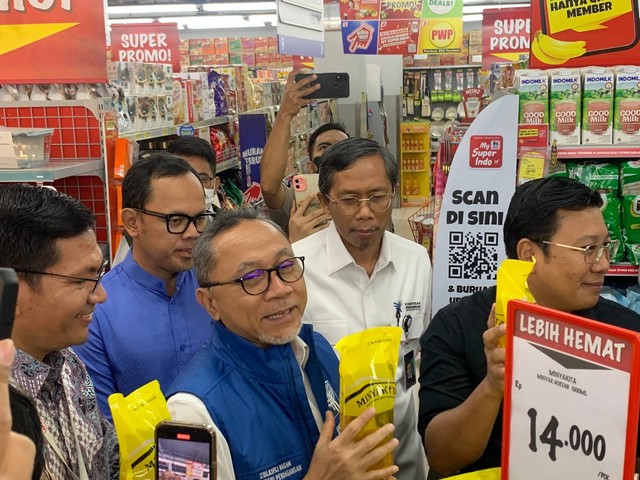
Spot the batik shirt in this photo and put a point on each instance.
(66, 402)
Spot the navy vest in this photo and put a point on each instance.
(256, 397)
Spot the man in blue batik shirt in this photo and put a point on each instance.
(151, 324)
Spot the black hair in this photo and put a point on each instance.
(345, 154)
(194, 146)
(32, 219)
(320, 130)
(136, 186)
(204, 256)
(533, 210)
(25, 421)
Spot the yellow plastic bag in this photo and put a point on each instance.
(512, 285)
(368, 362)
(490, 474)
(135, 418)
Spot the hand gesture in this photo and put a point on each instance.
(292, 100)
(347, 458)
(494, 353)
(301, 225)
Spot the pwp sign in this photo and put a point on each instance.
(150, 43)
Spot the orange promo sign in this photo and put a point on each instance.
(52, 41)
(146, 42)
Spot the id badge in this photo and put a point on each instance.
(409, 369)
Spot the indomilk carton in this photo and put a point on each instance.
(626, 112)
(532, 87)
(597, 106)
(564, 106)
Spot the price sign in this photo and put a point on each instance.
(571, 397)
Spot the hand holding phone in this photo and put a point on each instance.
(332, 85)
(8, 300)
(304, 186)
(185, 449)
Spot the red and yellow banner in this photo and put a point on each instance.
(573, 33)
(54, 41)
(146, 42)
(505, 35)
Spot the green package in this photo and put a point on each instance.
(602, 177)
(611, 213)
(631, 218)
(633, 253)
(630, 177)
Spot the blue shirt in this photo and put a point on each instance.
(140, 333)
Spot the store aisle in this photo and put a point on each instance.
(400, 218)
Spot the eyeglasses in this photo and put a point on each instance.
(178, 223)
(593, 253)
(101, 271)
(206, 180)
(256, 282)
(378, 202)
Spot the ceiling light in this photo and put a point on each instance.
(131, 20)
(220, 21)
(152, 9)
(240, 7)
(472, 18)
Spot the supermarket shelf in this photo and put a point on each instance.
(56, 170)
(227, 164)
(443, 67)
(595, 151)
(174, 129)
(408, 170)
(409, 152)
(623, 270)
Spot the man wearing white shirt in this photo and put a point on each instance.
(361, 276)
(265, 381)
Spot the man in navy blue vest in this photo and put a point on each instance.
(265, 381)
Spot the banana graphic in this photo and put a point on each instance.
(556, 52)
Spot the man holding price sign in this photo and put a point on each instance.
(556, 222)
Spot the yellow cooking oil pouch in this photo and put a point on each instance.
(490, 474)
(512, 285)
(135, 418)
(368, 363)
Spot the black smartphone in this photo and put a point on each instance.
(8, 299)
(185, 450)
(332, 85)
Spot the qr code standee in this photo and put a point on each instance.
(473, 256)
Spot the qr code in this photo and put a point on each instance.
(473, 256)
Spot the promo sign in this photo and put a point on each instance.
(54, 41)
(300, 29)
(479, 188)
(251, 147)
(570, 397)
(146, 42)
(580, 33)
(505, 35)
(441, 27)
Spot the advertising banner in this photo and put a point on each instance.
(53, 42)
(573, 33)
(251, 147)
(481, 182)
(505, 35)
(401, 27)
(571, 396)
(146, 42)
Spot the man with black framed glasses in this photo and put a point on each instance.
(558, 223)
(151, 325)
(48, 238)
(265, 382)
(361, 276)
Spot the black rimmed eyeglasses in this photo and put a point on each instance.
(178, 223)
(256, 282)
(101, 271)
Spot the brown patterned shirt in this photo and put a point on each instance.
(66, 401)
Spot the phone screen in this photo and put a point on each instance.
(186, 455)
(8, 299)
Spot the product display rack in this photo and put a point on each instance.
(415, 163)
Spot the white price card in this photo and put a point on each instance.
(7, 153)
(571, 398)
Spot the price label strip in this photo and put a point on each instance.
(571, 397)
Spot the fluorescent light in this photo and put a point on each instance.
(221, 21)
(240, 7)
(131, 20)
(481, 8)
(150, 9)
(472, 18)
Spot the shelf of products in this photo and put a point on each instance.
(586, 152)
(174, 130)
(623, 270)
(415, 163)
(56, 170)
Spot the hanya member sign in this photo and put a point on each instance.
(571, 397)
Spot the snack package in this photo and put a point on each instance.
(611, 213)
(135, 418)
(602, 177)
(632, 251)
(630, 177)
(512, 285)
(631, 218)
(368, 363)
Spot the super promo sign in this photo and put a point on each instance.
(157, 43)
(19, 5)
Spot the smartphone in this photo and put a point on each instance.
(332, 85)
(185, 450)
(8, 299)
(303, 186)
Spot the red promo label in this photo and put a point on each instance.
(505, 34)
(56, 41)
(148, 42)
(398, 37)
(398, 9)
(485, 151)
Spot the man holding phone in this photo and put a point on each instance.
(264, 381)
(278, 197)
